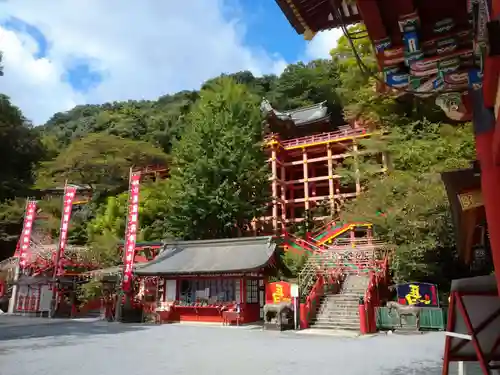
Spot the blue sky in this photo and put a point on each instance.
(269, 29)
(60, 54)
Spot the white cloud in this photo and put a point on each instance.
(143, 48)
(322, 44)
(33, 84)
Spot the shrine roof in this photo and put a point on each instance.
(310, 16)
(41, 280)
(299, 116)
(145, 244)
(211, 256)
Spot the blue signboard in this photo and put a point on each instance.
(418, 294)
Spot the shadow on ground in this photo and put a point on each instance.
(18, 328)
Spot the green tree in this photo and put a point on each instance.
(304, 84)
(158, 122)
(101, 162)
(110, 217)
(408, 205)
(219, 175)
(20, 152)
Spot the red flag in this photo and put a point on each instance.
(131, 230)
(23, 245)
(69, 196)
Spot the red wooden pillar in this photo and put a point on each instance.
(243, 295)
(491, 84)
(304, 324)
(363, 322)
(372, 19)
(313, 184)
(487, 145)
(484, 128)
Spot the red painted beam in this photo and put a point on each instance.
(490, 180)
(496, 142)
(490, 83)
(492, 67)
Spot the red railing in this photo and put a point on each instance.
(308, 309)
(324, 137)
(371, 299)
(323, 228)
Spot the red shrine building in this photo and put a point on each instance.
(450, 51)
(306, 148)
(199, 280)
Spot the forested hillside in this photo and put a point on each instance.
(162, 121)
(212, 139)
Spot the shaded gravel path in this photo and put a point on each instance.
(43, 347)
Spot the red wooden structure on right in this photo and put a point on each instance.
(450, 50)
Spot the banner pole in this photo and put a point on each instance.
(120, 293)
(17, 270)
(57, 258)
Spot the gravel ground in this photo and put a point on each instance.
(44, 347)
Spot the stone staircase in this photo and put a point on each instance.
(340, 311)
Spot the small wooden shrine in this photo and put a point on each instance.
(201, 280)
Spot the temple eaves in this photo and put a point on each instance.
(298, 116)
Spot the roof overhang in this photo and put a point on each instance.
(237, 255)
(308, 17)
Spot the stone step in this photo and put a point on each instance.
(354, 292)
(350, 304)
(341, 299)
(336, 320)
(343, 296)
(338, 308)
(354, 327)
(339, 313)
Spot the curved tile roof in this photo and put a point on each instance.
(211, 256)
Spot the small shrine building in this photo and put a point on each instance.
(199, 279)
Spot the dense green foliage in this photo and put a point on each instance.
(211, 139)
(95, 145)
(219, 176)
(419, 143)
(20, 152)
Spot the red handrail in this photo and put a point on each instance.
(324, 137)
(312, 301)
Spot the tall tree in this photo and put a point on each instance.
(20, 152)
(219, 175)
(100, 161)
(304, 84)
